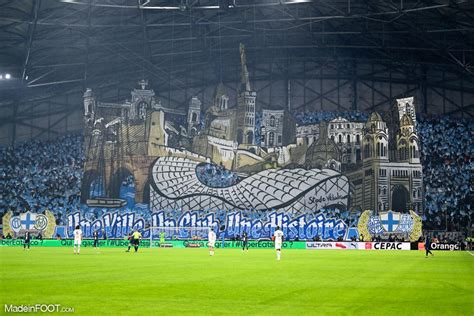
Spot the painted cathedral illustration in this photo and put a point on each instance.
(357, 165)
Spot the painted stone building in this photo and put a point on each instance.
(389, 180)
(245, 129)
(278, 128)
(122, 140)
(324, 152)
(194, 116)
(348, 136)
(307, 134)
(230, 129)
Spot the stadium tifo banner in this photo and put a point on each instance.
(33, 222)
(233, 154)
(307, 226)
(408, 225)
(253, 244)
(314, 245)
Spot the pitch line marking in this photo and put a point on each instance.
(472, 254)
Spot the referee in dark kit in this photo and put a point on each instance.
(245, 241)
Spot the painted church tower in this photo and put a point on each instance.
(375, 141)
(194, 116)
(221, 99)
(142, 101)
(89, 106)
(407, 141)
(406, 106)
(245, 129)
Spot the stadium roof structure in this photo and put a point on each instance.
(60, 47)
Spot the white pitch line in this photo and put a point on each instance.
(472, 254)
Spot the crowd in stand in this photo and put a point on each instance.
(216, 176)
(447, 149)
(39, 175)
(306, 118)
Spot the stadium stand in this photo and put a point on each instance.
(446, 155)
(40, 175)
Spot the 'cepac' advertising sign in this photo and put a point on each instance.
(345, 245)
(386, 245)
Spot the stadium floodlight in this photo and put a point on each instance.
(178, 233)
(7, 76)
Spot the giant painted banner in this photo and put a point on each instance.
(236, 223)
(45, 224)
(230, 225)
(233, 163)
(388, 223)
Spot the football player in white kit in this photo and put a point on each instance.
(77, 239)
(211, 238)
(278, 238)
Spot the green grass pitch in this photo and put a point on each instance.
(189, 281)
